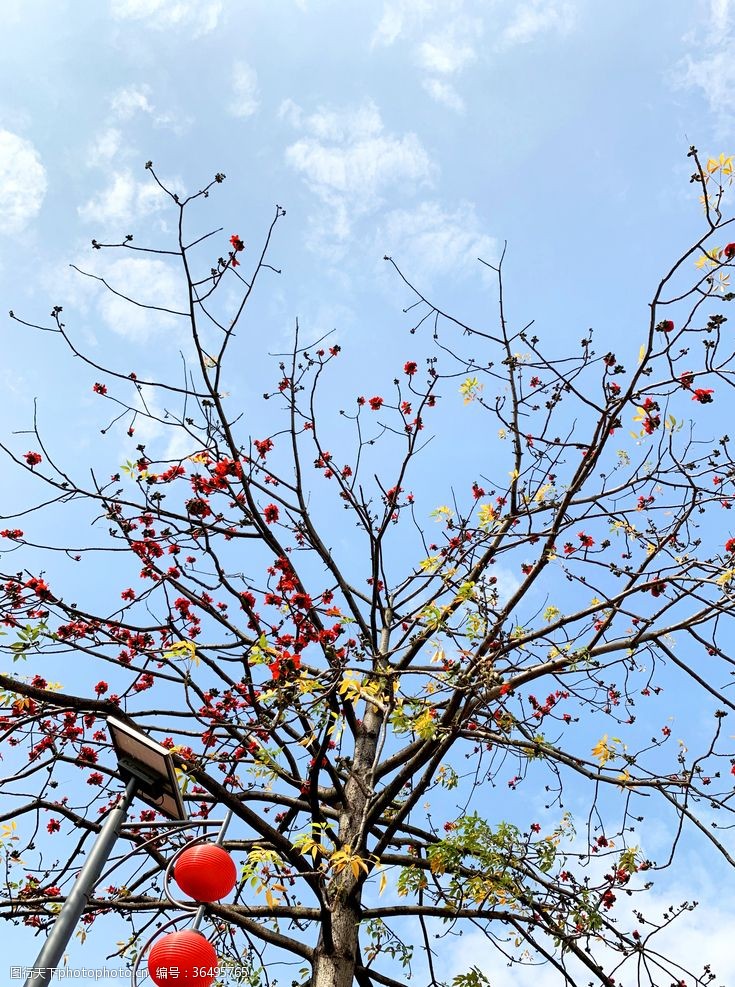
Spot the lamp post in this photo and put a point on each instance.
(148, 772)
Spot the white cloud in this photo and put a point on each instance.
(349, 161)
(245, 95)
(148, 282)
(198, 16)
(538, 17)
(720, 16)
(444, 41)
(130, 100)
(402, 17)
(711, 66)
(693, 939)
(22, 182)
(107, 146)
(434, 241)
(444, 92)
(507, 584)
(446, 54)
(124, 200)
(714, 74)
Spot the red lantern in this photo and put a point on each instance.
(205, 872)
(185, 958)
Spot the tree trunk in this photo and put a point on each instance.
(335, 961)
(335, 966)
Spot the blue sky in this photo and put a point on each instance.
(430, 130)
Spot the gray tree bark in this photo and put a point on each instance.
(337, 951)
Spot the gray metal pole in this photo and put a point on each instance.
(71, 911)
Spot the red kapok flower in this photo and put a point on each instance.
(270, 513)
(665, 326)
(730, 545)
(236, 242)
(99, 388)
(53, 826)
(702, 394)
(33, 458)
(729, 251)
(375, 404)
(410, 368)
(686, 379)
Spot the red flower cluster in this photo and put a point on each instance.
(652, 421)
(237, 245)
(729, 251)
(33, 458)
(375, 404)
(665, 326)
(270, 513)
(410, 368)
(730, 545)
(686, 379)
(703, 395)
(285, 665)
(263, 446)
(11, 533)
(39, 587)
(99, 389)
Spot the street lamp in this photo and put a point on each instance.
(148, 771)
(141, 759)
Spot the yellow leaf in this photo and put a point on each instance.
(602, 751)
(272, 900)
(708, 258)
(725, 578)
(469, 389)
(431, 564)
(641, 353)
(486, 515)
(183, 649)
(383, 882)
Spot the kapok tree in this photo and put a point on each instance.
(368, 663)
